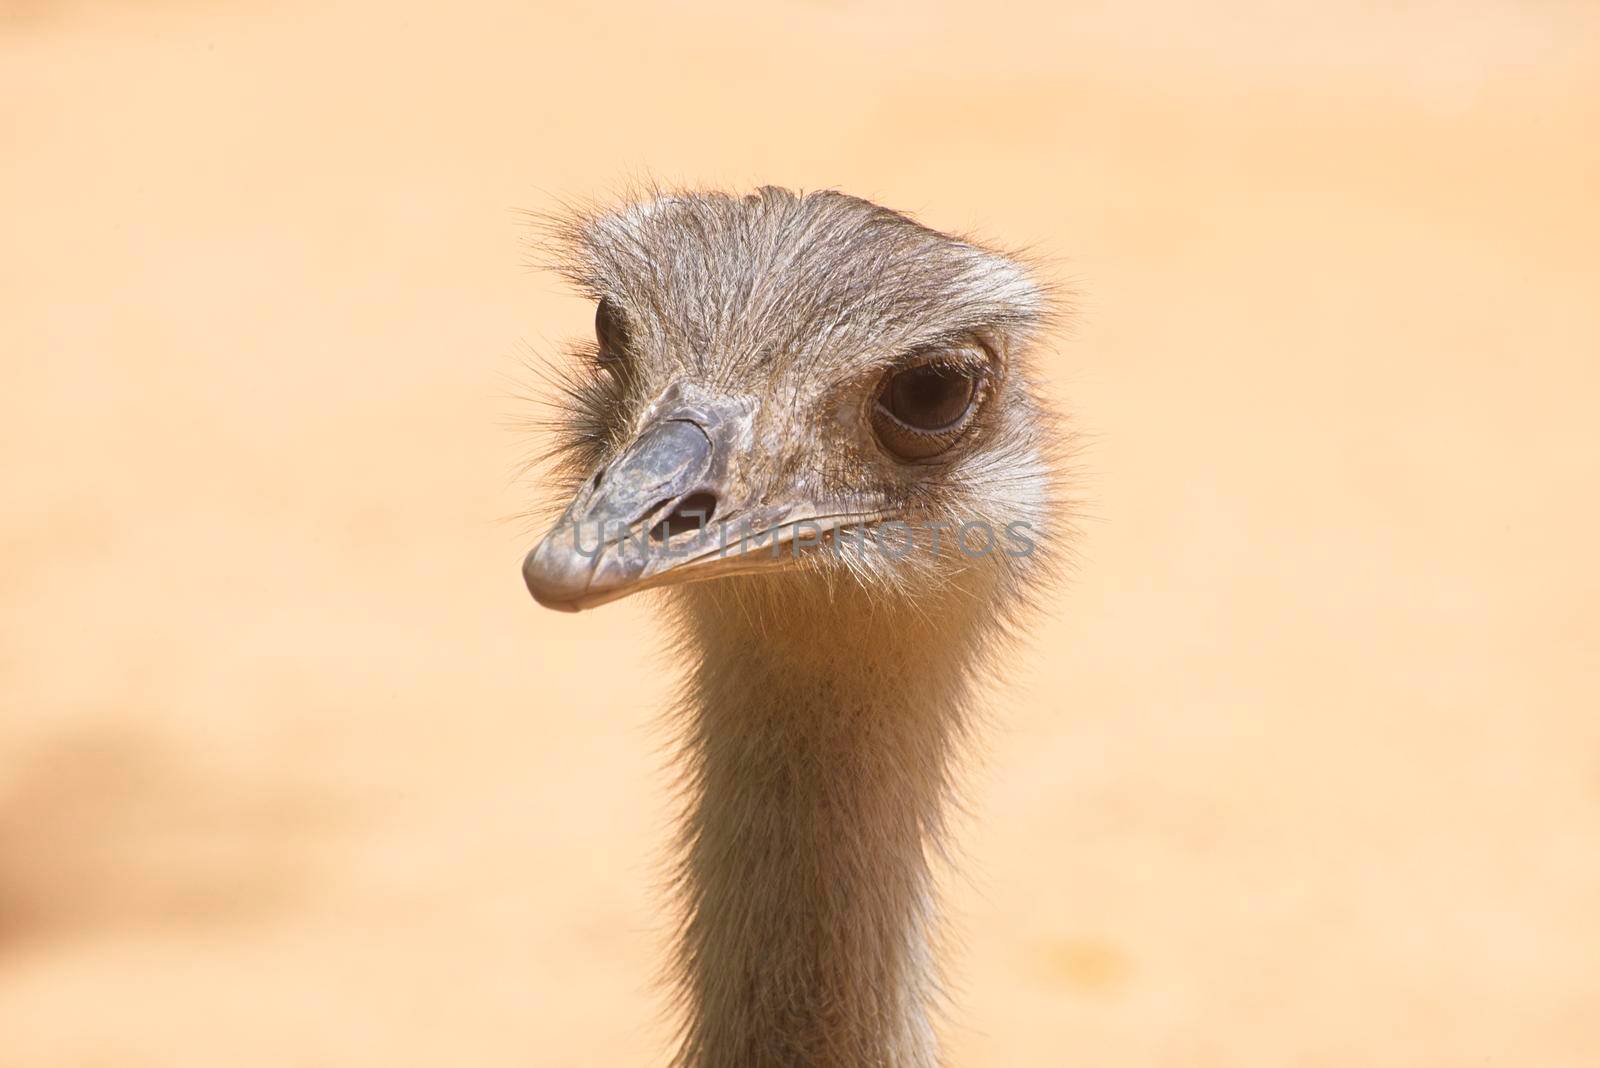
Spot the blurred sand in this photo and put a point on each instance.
(1305, 771)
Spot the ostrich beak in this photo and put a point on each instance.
(669, 509)
(658, 513)
(606, 542)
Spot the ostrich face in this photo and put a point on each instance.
(778, 380)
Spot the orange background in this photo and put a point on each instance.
(1304, 769)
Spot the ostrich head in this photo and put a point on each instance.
(809, 388)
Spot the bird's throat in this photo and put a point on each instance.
(818, 761)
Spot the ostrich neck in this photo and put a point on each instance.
(818, 761)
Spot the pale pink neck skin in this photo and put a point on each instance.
(819, 741)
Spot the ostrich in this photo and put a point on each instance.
(812, 421)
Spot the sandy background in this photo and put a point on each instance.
(1305, 770)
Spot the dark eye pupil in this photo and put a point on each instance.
(929, 397)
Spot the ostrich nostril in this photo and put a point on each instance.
(691, 513)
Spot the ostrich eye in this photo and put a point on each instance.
(610, 332)
(922, 410)
(930, 397)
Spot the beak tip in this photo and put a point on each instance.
(553, 578)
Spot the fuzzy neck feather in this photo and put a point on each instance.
(820, 729)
